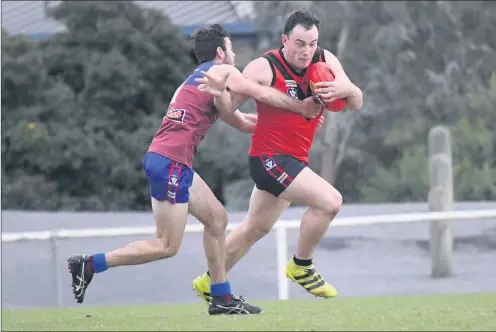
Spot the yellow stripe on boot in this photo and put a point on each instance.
(201, 285)
(310, 280)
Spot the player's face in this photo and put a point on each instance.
(300, 46)
(229, 53)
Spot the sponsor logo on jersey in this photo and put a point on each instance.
(291, 84)
(175, 115)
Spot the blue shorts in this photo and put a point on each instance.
(168, 179)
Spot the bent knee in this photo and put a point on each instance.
(332, 204)
(168, 249)
(217, 223)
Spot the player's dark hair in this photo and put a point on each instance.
(206, 40)
(301, 17)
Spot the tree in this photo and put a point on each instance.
(337, 126)
(27, 93)
(409, 84)
(83, 118)
(474, 141)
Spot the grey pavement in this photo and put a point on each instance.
(374, 260)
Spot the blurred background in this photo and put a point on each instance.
(85, 85)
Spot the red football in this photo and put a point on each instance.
(322, 72)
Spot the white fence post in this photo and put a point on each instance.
(440, 198)
(282, 259)
(54, 249)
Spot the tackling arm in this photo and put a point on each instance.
(255, 82)
(241, 121)
(227, 105)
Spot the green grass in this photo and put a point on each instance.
(449, 312)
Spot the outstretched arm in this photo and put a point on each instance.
(254, 82)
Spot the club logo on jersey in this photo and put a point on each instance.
(173, 180)
(293, 92)
(269, 164)
(175, 115)
(291, 84)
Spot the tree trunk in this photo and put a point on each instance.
(335, 135)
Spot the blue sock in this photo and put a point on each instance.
(220, 289)
(99, 263)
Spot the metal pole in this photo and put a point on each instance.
(282, 259)
(54, 245)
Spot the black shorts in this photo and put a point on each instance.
(274, 173)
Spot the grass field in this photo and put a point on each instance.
(450, 312)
